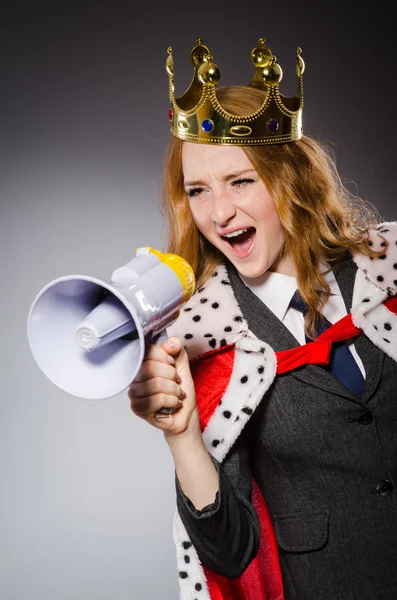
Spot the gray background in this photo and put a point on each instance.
(87, 491)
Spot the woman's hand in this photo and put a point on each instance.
(164, 381)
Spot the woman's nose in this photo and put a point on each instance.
(222, 208)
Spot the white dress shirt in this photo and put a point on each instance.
(276, 291)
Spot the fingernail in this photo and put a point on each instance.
(178, 378)
(171, 344)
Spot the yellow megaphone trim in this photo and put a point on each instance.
(181, 268)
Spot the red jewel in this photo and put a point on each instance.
(170, 114)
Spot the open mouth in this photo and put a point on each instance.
(240, 240)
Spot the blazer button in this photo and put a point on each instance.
(384, 488)
(366, 418)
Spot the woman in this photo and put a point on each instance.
(285, 471)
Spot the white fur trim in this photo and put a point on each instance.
(376, 321)
(253, 371)
(370, 315)
(366, 295)
(382, 271)
(211, 318)
(193, 568)
(380, 326)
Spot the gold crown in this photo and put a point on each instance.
(197, 115)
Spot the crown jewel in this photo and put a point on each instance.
(197, 115)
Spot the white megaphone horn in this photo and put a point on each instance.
(88, 336)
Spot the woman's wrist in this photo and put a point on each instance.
(196, 473)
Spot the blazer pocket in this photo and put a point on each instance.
(302, 532)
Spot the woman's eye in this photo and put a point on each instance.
(194, 192)
(241, 182)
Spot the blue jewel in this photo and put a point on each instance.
(207, 125)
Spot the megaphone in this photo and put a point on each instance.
(88, 336)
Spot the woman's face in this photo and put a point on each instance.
(233, 209)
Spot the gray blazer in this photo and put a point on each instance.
(326, 464)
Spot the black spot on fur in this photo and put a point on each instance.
(227, 329)
(187, 309)
(238, 319)
(379, 278)
(261, 369)
(186, 558)
(182, 574)
(198, 586)
(244, 379)
(215, 443)
(365, 300)
(215, 274)
(386, 340)
(188, 336)
(382, 257)
(196, 318)
(208, 335)
(201, 290)
(375, 327)
(222, 343)
(395, 266)
(388, 327)
(212, 343)
(247, 410)
(227, 414)
(186, 545)
(203, 300)
(224, 282)
(215, 305)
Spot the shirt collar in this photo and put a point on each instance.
(276, 289)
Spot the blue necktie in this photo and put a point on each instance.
(342, 364)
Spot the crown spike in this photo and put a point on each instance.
(300, 64)
(169, 63)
